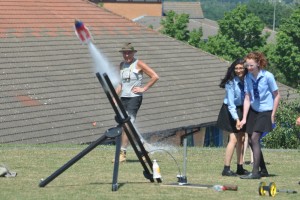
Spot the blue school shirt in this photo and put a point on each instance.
(261, 96)
(234, 96)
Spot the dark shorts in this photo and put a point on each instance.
(132, 105)
(259, 121)
(226, 122)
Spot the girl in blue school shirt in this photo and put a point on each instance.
(231, 114)
(260, 105)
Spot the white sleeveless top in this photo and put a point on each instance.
(130, 77)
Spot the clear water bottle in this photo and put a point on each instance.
(156, 170)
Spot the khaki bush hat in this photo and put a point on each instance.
(128, 47)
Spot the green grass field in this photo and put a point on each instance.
(91, 177)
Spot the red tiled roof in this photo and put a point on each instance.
(53, 18)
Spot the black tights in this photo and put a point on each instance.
(258, 158)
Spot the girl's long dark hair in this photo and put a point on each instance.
(230, 72)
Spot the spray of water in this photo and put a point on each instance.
(102, 65)
(154, 147)
(160, 147)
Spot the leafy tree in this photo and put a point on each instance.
(286, 55)
(215, 9)
(151, 26)
(195, 37)
(245, 28)
(168, 24)
(239, 32)
(223, 46)
(175, 25)
(265, 11)
(269, 51)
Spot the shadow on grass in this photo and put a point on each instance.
(99, 183)
(272, 175)
(251, 163)
(132, 161)
(119, 184)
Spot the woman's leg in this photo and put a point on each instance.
(228, 155)
(240, 148)
(257, 154)
(251, 156)
(246, 145)
(240, 154)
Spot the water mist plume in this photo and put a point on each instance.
(102, 65)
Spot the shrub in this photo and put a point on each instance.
(286, 135)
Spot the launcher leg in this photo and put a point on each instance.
(43, 183)
(116, 164)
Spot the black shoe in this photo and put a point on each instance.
(242, 172)
(264, 173)
(251, 176)
(228, 173)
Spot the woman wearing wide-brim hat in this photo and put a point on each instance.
(132, 88)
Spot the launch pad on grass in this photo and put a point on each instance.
(182, 178)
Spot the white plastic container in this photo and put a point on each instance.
(156, 170)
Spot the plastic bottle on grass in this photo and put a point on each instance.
(219, 188)
(156, 170)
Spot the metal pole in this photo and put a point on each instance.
(182, 179)
(274, 12)
(116, 164)
(184, 156)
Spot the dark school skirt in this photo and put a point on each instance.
(259, 121)
(226, 122)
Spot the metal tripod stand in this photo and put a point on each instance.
(124, 123)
